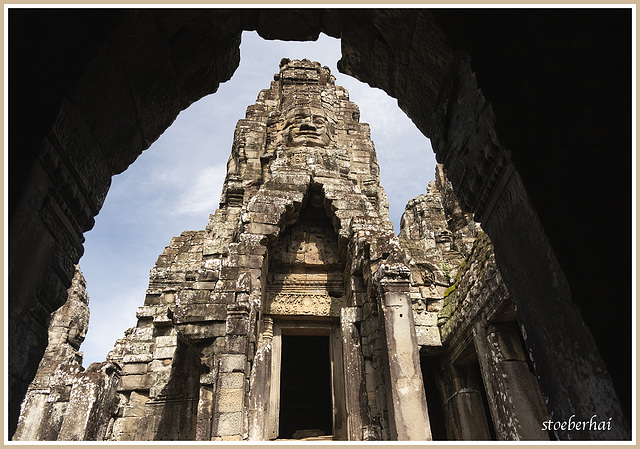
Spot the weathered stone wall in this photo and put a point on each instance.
(437, 236)
(466, 324)
(161, 371)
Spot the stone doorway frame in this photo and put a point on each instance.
(305, 327)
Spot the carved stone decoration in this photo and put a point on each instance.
(312, 305)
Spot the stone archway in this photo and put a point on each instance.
(112, 81)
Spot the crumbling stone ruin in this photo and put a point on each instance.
(298, 314)
(64, 401)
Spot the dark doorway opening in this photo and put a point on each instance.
(434, 400)
(305, 387)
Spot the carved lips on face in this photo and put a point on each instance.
(307, 126)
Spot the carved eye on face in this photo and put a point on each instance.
(319, 121)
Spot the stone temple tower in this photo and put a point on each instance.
(298, 314)
(254, 328)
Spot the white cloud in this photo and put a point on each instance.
(202, 196)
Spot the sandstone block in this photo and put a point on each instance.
(137, 358)
(199, 312)
(151, 311)
(233, 363)
(428, 336)
(135, 347)
(142, 333)
(237, 325)
(134, 368)
(124, 429)
(159, 365)
(164, 352)
(201, 331)
(232, 380)
(229, 273)
(194, 296)
(169, 340)
(236, 344)
(262, 229)
(426, 319)
(230, 400)
(228, 423)
(135, 382)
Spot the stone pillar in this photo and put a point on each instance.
(464, 410)
(355, 388)
(512, 390)
(273, 422)
(230, 411)
(206, 401)
(406, 398)
(338, 390)
(260, 385)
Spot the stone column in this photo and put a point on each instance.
(273, 423)
(206, 401)
(230, 412)
(355, 388)
(512, 390)
(406, 398)
(338, 392)
(260, 386)
(464, 409)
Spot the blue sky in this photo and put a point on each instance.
(176, 183)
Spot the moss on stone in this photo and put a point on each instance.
(454, 295)
(450, 290)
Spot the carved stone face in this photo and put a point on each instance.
(307, 126)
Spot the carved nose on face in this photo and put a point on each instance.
(307, 125)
